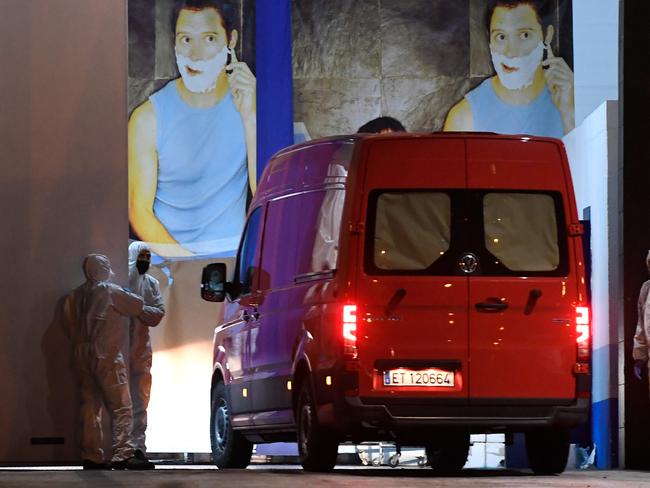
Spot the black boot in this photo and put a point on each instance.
(133, 463)
(139, 454)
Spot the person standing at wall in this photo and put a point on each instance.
(640, 351)
(192, 144)
(94, 318)
(146, 286)
(532, 91)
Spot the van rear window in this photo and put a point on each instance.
(429, 232)
(412, 230)
(521, 230)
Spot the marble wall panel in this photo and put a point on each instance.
(425, 37)
(480, 63)
(139, 90)
(357, 60)
(246, 45)
(336, 39)
(142, 40)
(421, 104)
(329, 106)
(165, 57)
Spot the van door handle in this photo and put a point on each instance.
(245, 316)
(491, 305)
(533, 296)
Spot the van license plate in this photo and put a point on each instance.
(423, 377)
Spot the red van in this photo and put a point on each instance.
(417, 288)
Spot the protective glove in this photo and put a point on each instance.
(640, 369)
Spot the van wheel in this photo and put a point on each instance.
(548, 450)
(317, 449)
(230, 449)
(450, 456)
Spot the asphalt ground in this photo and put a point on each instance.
(266, 476)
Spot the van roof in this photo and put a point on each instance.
(411, 135)
(327, 160)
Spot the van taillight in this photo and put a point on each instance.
(582, 333)
(350, 331)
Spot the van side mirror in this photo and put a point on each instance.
(213, 282)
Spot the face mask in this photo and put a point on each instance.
(527, 65)
(209, 69)
(142, 266)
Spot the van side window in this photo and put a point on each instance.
(301, 236)
(521, 230)
(246, 261)
(412, 229)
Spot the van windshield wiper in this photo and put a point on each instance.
(395, 300)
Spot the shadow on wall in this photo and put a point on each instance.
(184, 332)
(62, 390)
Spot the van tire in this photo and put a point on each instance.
(230, 449)
(547, 450)
(316, 447)
(450, 456)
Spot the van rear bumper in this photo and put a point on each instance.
(386, 413)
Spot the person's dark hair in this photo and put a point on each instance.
(543, 9)
(226, 9)
(377, 125)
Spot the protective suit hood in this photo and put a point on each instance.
(135, 248)
(97, 267)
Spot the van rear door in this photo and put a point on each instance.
(412, 312)
(522, 297)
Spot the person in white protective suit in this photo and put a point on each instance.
(145, 285)
(641, 342)
(95, 318)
